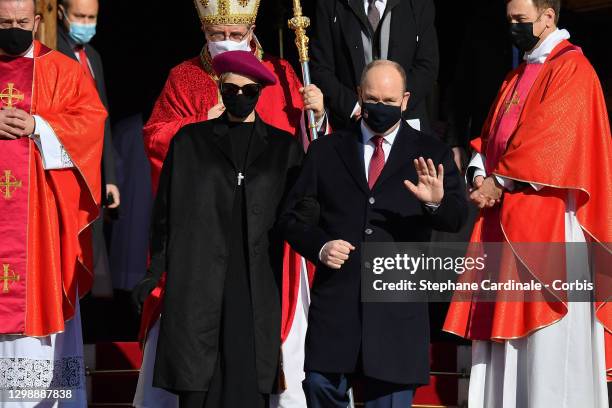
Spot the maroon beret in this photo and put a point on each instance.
(243, 63)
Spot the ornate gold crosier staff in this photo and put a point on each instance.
(299, 24)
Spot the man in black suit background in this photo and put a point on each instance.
(349, 34)
(76, 26)
(379, 181)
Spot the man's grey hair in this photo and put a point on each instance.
(381, 62)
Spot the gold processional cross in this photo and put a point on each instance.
(515, 100)
(8, 185)
(7, 278)
(10, 94)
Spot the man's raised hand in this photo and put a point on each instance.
(430, 188)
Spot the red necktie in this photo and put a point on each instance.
(83, 60)
(378, 161)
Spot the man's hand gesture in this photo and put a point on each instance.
(486, 192)
(430, 188)
(15, 123)
(335, 253)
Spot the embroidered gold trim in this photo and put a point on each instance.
(224, 13)
(8, 279)
(224, 7)
(8, 185)
(224, 19)
(9, 95)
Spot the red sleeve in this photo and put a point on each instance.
(294, 84)
(64, 202)
(75, 113)
(178, 105)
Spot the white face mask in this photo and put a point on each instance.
(218, 47)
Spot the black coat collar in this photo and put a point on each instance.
(350, 151)
(397, 157)
(353, 30)
(259, 140)
(359, 10)
(351, 154)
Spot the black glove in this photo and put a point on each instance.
(142, 290)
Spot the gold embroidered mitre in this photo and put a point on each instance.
(227, 11)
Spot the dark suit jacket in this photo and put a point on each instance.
(338, 57)
(388, 341)
(66, 47)
(190, 231)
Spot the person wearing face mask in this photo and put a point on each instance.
(191, 92)
(218, 342)
(541, 172)
(51, 135)
(76, 27)
(399, 184)
(190, 95)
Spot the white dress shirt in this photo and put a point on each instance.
(369, 146)
(380, 5)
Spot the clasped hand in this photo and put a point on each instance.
(486, 193)
(15, 123)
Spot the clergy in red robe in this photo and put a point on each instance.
(542, 173)
(191, 95)
(51, 133)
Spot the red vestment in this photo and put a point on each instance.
(62, 203)
(190, 91)
(562, 142)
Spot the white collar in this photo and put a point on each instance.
(539, 55)
(367, 134)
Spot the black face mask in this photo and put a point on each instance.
(522, 36)
(380, 117)
(15, 41)
(239, 105)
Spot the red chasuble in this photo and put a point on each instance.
(45, 243)
(190, 91)
(562, 142)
